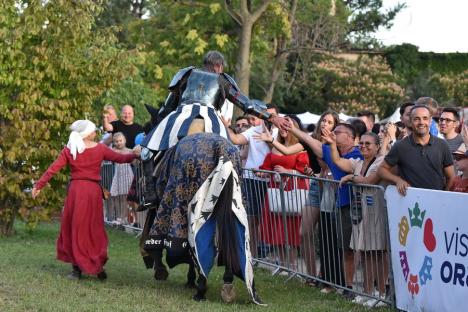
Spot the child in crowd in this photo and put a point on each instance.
(123, 176)
(460, 183)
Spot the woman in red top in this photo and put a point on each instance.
(272, 224)
(82, 240)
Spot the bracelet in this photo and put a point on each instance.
(272, 139)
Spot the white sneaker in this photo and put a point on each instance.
(375, 302)
(360, 299)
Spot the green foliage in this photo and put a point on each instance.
(180, 34)
(366, 18)
(442, 76)
(343, 85)
(52, 65)
(448, 89)
(406, 61)
(134, 92)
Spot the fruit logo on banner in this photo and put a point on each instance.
(419, 228)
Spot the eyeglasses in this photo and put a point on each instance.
(447, 120)
(242, 125)
(366, 144)
(338, 132)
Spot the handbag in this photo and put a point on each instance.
(294, 199)
(327, 202)
(356, 201)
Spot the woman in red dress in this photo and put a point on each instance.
(273, 225)
(82, 240)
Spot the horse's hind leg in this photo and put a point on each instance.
(201, 288)
(191, 276)
(228, 293)
(160, 270)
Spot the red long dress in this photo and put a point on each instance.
(272, 225)
(83, 240)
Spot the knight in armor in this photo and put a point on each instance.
(201, 94)
(197, 178)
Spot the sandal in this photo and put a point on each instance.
(312, 283)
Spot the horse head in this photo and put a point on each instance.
(154, 118)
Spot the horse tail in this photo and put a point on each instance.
(226, 221)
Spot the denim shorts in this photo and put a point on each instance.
(254, 191)
(313, 199)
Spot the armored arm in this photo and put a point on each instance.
(254, 107)
(173, 99)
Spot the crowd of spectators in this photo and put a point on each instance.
(121, 134)
(425, 149)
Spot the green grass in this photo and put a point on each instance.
(31, 279)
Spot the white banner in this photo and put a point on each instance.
(429, 243)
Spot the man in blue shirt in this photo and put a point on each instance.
(345, 135)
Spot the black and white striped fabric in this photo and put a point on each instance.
(176, 125)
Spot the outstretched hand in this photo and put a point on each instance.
(328, 136)
(391, 130)
(35, 192)
(137, 150)
(226, 122)
(280, 122)
(263, 136)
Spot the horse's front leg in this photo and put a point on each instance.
(191, 277)
(201, 288)
(160, 270)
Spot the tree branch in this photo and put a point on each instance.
(256, 15)
(234, 15)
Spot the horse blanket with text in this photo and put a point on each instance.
(198, 184)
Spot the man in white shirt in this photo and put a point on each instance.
(254, 187)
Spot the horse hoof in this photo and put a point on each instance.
(198, 297)
(190, 285)
(161, 274)
(228, 294)
(256, 299)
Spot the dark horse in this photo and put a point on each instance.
(153, 257)
(199, 213)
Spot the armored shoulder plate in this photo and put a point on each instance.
(202, 87)
(180, 74)
(231, 81)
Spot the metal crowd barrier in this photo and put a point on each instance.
(123, 194)
(299, 226)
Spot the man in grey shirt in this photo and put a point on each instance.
(448, 123)
(423, 160)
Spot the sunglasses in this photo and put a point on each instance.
(242, 125)
(366, 144)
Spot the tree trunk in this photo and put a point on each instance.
(243, 63)
(280, 57)
(243, 59)
(245, 17)
(6, 226)
(277, 70)
(8, 212)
